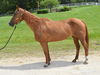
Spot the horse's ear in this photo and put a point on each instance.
(17, 7)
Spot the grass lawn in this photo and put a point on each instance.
(24, 44)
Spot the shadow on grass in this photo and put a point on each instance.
(35, 66)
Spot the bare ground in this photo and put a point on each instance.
(59, 66)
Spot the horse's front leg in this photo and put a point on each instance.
(46, 52)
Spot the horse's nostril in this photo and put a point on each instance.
(11, 24)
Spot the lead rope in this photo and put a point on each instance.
(8, 39)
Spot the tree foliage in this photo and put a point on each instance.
(64, 1)
(9, 6)
(49, 4)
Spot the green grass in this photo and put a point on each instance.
(23, 42)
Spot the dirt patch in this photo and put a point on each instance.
(59, 66)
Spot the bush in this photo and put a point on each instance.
(10, 12)
(42, 11)
(65, 8)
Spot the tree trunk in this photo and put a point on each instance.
(38, 5)
(50, 10)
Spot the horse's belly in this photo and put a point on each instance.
(59, 35)
(57, 38)
(51, 38)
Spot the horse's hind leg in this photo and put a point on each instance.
(76, 42)
(46, 52)
(85, 45)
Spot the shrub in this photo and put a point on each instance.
(10, 12)
(42, 11)
(65, 8)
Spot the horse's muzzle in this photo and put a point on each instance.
(11, 24)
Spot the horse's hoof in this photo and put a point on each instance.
(46, 65)
(74, 61)
(85, 62)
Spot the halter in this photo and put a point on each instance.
(20, 16)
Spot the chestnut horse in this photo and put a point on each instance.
(46, 30)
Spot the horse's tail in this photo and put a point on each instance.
(86, 37)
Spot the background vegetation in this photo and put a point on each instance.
(8, 6)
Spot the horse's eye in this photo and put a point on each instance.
(18, 11)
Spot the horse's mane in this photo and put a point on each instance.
(30, 17)
(35, 17)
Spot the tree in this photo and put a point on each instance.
(64, 1)
(73, 1)
(38, 3)
(9, 6)
(50, 3)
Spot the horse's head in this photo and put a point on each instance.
(17, 17)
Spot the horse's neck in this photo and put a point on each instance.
(32, 20)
